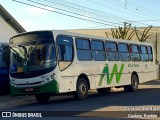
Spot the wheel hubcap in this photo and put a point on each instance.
(82, 89)
(134, 82)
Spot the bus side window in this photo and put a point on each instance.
(61, 49)
(150, 53)
(83, 49)
(111, 51)
(123, 52)
(65, 51)
(98, 52)
(134, 52)
(144, 54)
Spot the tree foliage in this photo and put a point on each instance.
(145, 34)
(122, 32)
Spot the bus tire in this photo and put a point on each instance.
(134, 84)
(81, 89)
(103, 90)
(42, 98)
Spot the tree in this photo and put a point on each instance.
(144, 35)
(122, 32)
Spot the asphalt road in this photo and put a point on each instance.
(117, 104)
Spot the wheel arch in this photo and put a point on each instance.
(135, 73)
(85, 77)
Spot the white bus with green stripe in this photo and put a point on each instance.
(46, 63)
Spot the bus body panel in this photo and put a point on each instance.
(100, 74)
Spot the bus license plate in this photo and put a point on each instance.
(29, 89)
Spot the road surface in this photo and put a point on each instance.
(117, 104)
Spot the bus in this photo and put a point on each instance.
(4, 69)
(46, 63)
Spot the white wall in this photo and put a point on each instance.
(6, 31)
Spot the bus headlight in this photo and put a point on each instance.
(12, 82)
(53, 76)
(47, 80)
(44, 81)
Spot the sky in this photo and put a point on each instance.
(90, 14)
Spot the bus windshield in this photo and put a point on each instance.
(32, 56)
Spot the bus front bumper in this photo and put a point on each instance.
(50, 88)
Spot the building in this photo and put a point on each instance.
(9, 26)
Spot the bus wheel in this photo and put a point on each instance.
(103, 90)
(42, 98)
(134, 84)
(81, 89)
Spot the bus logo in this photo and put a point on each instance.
(109, 77)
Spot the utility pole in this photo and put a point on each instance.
(157, 63)
(156, 48)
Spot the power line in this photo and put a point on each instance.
(69, 5)
(111, 8)
(65, 10)
(78, 11)
(97, 22)
(132, 8)
(117, 2)
(146, 20)
(146, 9)
(83, 9)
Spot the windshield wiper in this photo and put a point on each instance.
(13, 49)
(34, 48)
(24, 45)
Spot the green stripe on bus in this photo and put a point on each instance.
(109, 77)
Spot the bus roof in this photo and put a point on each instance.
(98, 37)
(63, 32)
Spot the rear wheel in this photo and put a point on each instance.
(134, 84)
(81, 89)
(103, 90)
(42, 98)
